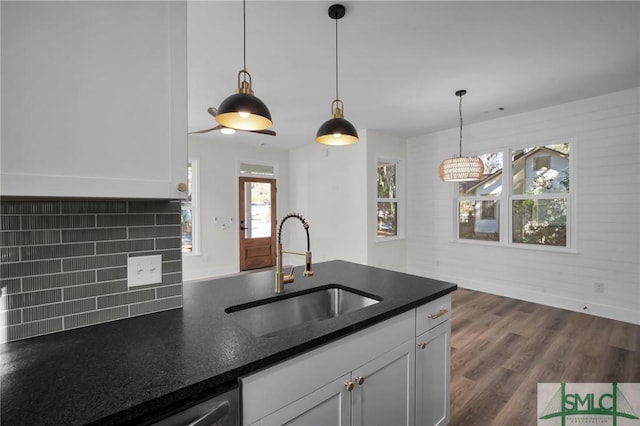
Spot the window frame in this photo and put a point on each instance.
(195, 208)
(399, 200)
(506, 199)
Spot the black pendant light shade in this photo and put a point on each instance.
(337, 131)
(243, 110)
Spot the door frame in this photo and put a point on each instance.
(241, 210)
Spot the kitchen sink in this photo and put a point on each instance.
(269, 316)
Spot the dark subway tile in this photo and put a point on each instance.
(126, 298)
(9, 254)
(11, 286)
(9, 223)
(124, 246)
(56, 251)
(10, 317)
(112, 274)
(155, 231)
(125, 220)
(91, 290)
(32, 329)
(30, 207)
(80, 207)
(28, 238)
(58, 309)
(24, 269)
(156, 306)
(43, 282)
(95, 317)
(168, 219)
(100, 234)
(169, 291)
(168, 243)
(154, 206)
(58, 222)
(34, 298)
(94, 262)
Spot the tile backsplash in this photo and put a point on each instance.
(64, 263)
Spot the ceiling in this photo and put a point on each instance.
(401, 62)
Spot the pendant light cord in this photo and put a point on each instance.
(460, 110)
(244, 36)
(337, 59)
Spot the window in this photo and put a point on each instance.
(533, 193)
(387, 205)
(189, 210)
(479, 202)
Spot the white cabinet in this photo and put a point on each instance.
(432, 376)
(433, 369)
(383, 392)
(329, 405)
(393, 373)
(94, 99)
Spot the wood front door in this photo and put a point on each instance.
(257, 223)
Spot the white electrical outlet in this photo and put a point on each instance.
(144, 270)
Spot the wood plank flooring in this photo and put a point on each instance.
(502, 348)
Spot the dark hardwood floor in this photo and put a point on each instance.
(502, 348)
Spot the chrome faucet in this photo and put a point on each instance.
(281, 277)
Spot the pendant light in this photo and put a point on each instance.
(461, 169)
(337, 130)
(242, 110)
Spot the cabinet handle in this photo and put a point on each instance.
(422, 345)
(359, 380)
(349, 386)
(182, 187)
(439, 314)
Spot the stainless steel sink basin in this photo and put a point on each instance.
(272, 315)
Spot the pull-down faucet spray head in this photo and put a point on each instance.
(281, 277)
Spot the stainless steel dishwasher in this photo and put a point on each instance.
(221, 410)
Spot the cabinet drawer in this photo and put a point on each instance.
(433, 313)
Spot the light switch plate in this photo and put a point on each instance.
(144, 270)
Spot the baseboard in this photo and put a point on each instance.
(549, 299)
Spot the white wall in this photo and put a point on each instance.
(328, 187)
(606, 138)
(218, 197)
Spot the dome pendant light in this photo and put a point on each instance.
(461, 169)
(337, 130)
(242, 110)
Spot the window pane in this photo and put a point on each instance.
(541, 221)
(541, 169)
(187, 214)
(387, 219)
(386, 180)
(258, 210)
(491, 183)
(479, 220)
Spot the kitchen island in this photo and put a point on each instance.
(130, 371)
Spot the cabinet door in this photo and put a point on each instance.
(327, 406)
(432, 376)
(94, 99)
(384, 389)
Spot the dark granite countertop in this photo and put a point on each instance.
(127, 371)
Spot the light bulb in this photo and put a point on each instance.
(244, 114)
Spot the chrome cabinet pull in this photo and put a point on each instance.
(359, 380)
(349, 386)
(439, 314)
(422, 345)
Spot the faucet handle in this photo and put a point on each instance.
(288, 278)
